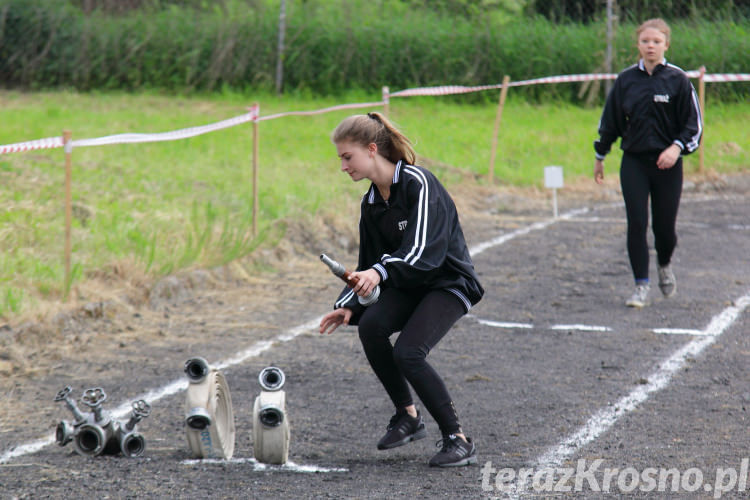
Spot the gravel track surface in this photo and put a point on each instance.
(549, 346)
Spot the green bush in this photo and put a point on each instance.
(329, 50)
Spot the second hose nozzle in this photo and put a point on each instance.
(271, 378)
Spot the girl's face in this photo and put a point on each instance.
(356, 160)
(652, 44)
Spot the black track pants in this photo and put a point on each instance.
(639, 179)
(423, 318)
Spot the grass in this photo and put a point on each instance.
(163, 207)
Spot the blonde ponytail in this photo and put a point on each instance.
(375, 128)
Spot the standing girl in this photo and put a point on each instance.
(412, 246)
(654, 109)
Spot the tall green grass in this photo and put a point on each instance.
(173, 205)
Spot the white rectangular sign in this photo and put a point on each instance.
(553, 177)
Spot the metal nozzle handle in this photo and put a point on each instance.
(335, 267)
(339, 271)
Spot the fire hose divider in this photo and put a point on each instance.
(209, 418)
(96, 433)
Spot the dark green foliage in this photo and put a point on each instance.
(639, 10)
(193, 45)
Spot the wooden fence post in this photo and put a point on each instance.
(386, 101)
(498, 118)
(255, 173)
(68, 146)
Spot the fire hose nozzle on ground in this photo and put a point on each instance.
(270, 421)
(209, 419)
(339, 270)
(97, 433)
(271, 378)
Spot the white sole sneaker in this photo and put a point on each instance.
(667, 281)
(639, 298)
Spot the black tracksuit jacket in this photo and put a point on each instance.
(413, 240)
(650, 112)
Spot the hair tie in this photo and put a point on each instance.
(373, 116)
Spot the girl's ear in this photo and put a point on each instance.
(372, 148)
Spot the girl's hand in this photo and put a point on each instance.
(599, 171)
(367, 281)
(668, 157)
(334, 319)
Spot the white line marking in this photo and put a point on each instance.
(504, 324)
(678, 331)
(681, 223)
(606, 417)
(499, 240)
(587, 328)
(609, 220)
(528, 326)
(258, 466)
(582, 328)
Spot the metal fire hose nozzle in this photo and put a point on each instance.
(196, 369)
(334, 266)
(271, 378)
(198, 419)
(340, 271)
(271, 416)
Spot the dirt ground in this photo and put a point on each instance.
(519, 392)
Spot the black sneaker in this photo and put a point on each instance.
(454, 452)
(402, 429)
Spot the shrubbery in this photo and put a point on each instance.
(329, 50)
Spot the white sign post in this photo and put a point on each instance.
(553, 179)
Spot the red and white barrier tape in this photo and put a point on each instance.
(324, 110)
(57, 142)
(732, 77)
(455, 89)
(170, 136)
(565, 79)
(443, 90)
(48, 143)
(252, 115)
